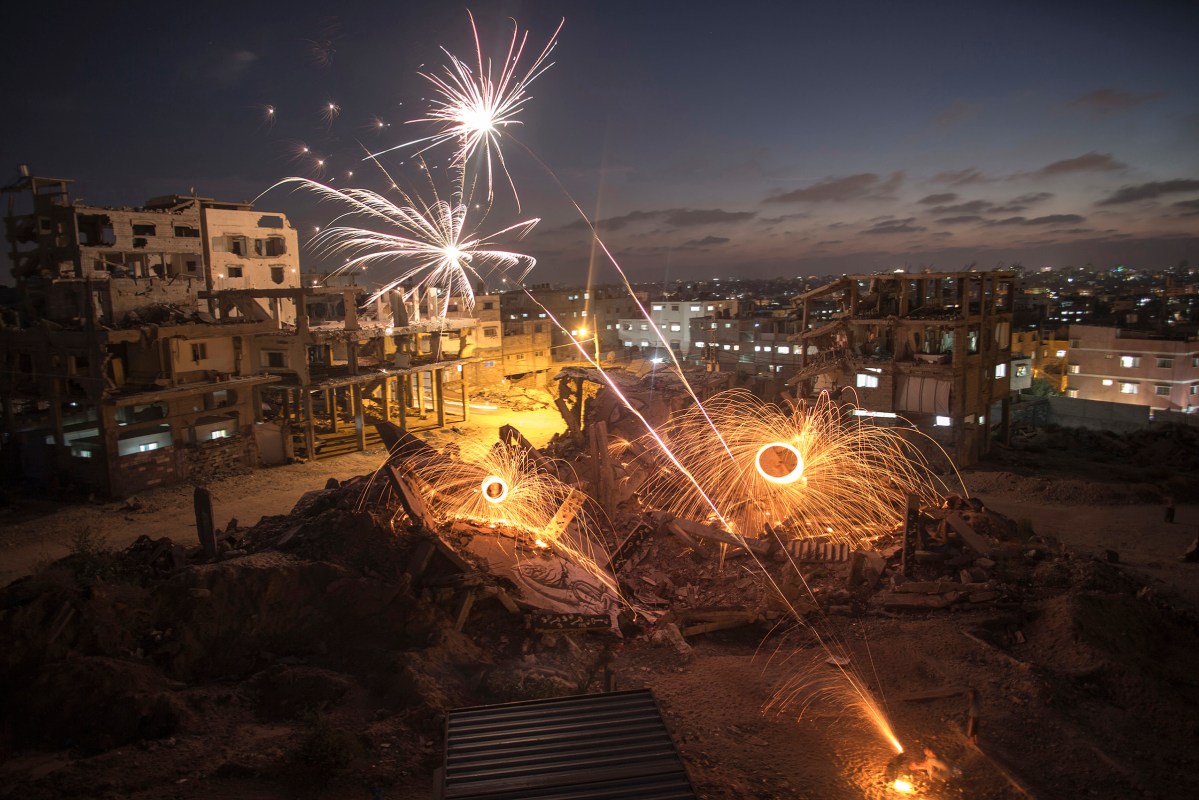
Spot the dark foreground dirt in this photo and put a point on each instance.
(306, 661)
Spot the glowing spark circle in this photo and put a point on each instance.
(902, 786)
(495, 489)
(779, 462)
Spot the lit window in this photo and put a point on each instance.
(1108, 382)
(1060, 353)
(1130, 361)
(1072, 393)
(1128, 388)
(657, 307)
(1075, 369)
(1194, 389)
(695, 308)
(1001, 370)
(867, 381)
(943, 422)
(784, 349)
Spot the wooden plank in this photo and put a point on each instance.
(202, 501)
(572, 421)
(933, 694)
(968, 536)
(625, 549)
(565, 513)
(708, 533)
(410, 499)
(466, 602)
(919, 601)
(512, 437)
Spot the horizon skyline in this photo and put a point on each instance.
(713, 145)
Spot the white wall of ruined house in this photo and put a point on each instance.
(252, 232)
(196, 359)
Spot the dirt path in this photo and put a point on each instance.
(41, 533)
(1137, 533)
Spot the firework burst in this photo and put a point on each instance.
(432, 242)
(805, 472)
(473, 107)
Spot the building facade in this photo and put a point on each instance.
(1122, 366)
(933, 348)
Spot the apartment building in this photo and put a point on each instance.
(1136, 367)
(934, 348)
(163, 343)
(673, 319)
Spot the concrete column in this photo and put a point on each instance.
(465, 399)
(309, 432)
(331, 406)
(402, 400)
(420, 394)
(359, 421)
(438, 376)
(385, 394)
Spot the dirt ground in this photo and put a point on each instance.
(1085, 687)
(37, 530)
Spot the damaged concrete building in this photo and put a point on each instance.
(156, 344)
(933, 348)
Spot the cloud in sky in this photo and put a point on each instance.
(937, 199)
(957, 111)
(1018, 204)
(962, 177)
(675, 217)
(1049, 219)
(863, 186)
(1149, 191)
(970, 207)
(1089, 162)
(1110, 100)
(896, 226)
(707, 241)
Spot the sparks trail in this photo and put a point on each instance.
(805, 472)
(502, 486)
(853, 688)
(433, 242)
(474, 107)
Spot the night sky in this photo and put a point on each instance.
(711, 139)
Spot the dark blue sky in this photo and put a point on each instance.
(716, 139)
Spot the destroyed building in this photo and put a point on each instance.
(933, 348)
(171, 341)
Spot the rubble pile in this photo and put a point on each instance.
(1083, 465)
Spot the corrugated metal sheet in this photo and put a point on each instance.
(611, 746)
